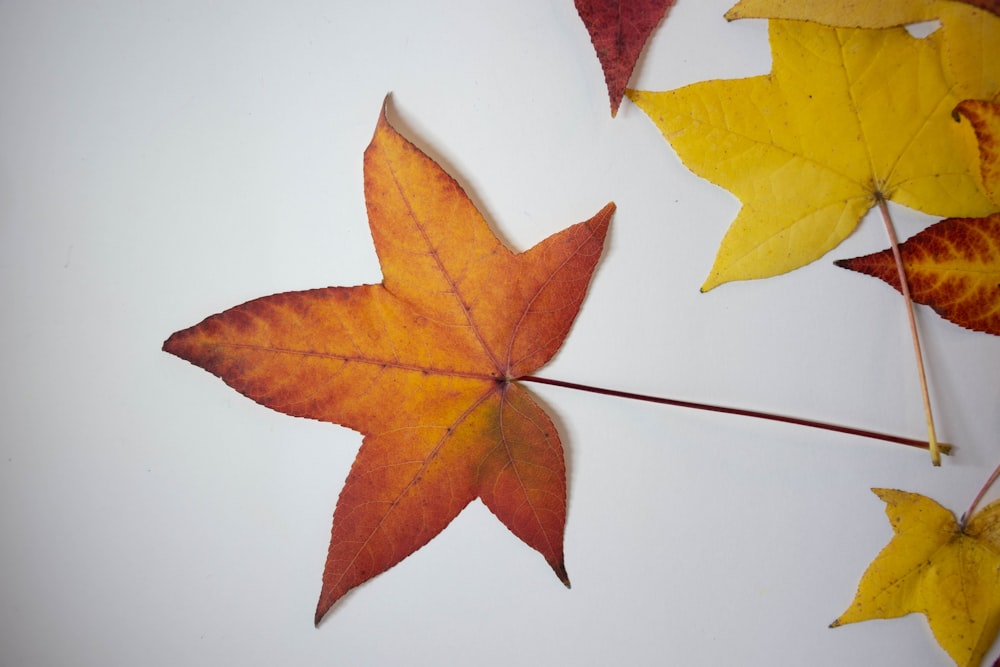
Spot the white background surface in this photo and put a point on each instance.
(162, 161)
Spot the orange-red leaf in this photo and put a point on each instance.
(952, 266)
(619, 29)
(422, 364)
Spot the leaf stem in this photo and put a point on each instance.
(735, 411)
(979, 496)
(904, 285)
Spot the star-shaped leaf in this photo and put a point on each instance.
(424, 365)
(845, 118)
(934, 566)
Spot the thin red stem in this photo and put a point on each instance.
(904, 285)
(735, 411)
(979, 496)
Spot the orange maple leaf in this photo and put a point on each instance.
(423, 364)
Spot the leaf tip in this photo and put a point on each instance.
(321, 610)
(383, 117)
(560, 570)
(713, 280)
(173, 345)
(888, 496)
(602, 219)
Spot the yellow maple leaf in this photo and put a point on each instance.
(846, 117)
(935, 567)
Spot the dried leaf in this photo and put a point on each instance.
(952, 266)
(423, 364)
(619, 30)
(935, 567)
(846, 117)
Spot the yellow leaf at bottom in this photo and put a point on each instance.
(935, 567)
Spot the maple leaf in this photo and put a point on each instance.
(618, 30)
(847, 117)
(952, 266)
(422, 364)
(936, 567)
